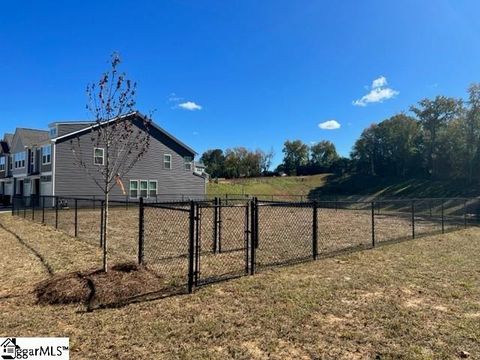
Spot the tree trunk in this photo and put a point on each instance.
(105, 233)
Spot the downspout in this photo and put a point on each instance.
(54, 165)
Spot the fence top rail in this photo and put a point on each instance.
(166, 207)
(212, 206)
(285, 204)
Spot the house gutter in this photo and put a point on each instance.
(54, 165)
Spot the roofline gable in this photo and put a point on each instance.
(135, 113)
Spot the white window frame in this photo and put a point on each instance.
(149, 188)
(130, 189)
(140, 189)
(188, 163)
(53, 132)
(2, 163)
(95, 156)
(19, 160)
(169, 162)
(46, 155)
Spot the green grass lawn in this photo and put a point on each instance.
(288, 185)
(411, 300)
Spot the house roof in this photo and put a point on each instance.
(31, 136)
(4, 148)
(8, 138)
(70, 122)
(135, 113)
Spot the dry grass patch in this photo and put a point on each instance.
(356, 306)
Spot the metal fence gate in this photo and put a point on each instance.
(222, 241)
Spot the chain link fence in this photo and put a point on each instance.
(192, 243)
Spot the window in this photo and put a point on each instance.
(19, 160)
(188, 163)
(152, 188)
(53, 132)
(134, 189)
(46, 154)
(99, 156)
(144, 188)
(2, 163)
(167, 161)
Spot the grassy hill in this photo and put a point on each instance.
(288, 185)
(328, 186)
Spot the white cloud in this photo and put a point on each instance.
(190, 106)
(379, 92)
(329, 125)
(380, 82)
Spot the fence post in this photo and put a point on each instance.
(141, 232)
(198, 231)
(226, 199)
(101, 221)
(32, 203)
(248, 236)
(413, 219)
(56, 212)
(253, 241)
(465, 213)
(76, 218)
(256, 223)
(191, 247)
(373, 224)
(13, 205)
(24, 208)
(219, 241)
(215, 224)
(94, 201)
(43, 209)
(443, 220)
(315, 231)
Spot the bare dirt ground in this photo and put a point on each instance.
(416, 299)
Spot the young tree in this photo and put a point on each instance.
(119, 136)
(266, 161)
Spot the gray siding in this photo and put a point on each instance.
(70, 179)
(18, 147)
(47, 167)
(63, 129)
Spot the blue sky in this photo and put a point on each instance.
(261, 71)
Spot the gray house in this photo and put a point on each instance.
(37, 162)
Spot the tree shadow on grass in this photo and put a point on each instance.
(358, 187)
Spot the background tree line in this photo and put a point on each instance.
(438, 138)
(237, 162)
